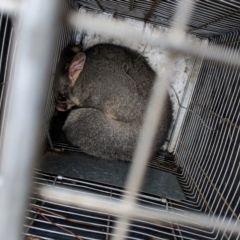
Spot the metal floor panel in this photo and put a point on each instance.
(83, 166)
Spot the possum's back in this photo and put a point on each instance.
(127, 67)
(122, 81)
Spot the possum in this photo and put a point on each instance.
(108, 89)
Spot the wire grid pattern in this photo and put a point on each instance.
(187, 232)
(177, 231)
(65, 36)
(23, 103)
(209, 18)
(210, 159)
(98, 225)
(6, 37)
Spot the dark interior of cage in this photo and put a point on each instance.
(200, 175)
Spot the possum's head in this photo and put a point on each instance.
(69, 68)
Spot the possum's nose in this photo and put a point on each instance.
(61, 107)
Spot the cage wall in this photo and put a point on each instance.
(206, 158)
(66, 35)
(209, 179)
(209, 152)
(209, 18)
(6, 32)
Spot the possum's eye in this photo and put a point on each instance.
(62, 97)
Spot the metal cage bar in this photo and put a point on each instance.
(211, 187)
(24, 109)
(194, 176)
(209, 18)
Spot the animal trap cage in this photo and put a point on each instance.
(204, 141)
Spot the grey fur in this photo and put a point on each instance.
(111, 96)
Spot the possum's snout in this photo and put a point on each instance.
(62, 107)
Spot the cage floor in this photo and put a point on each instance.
(82, 166)
(49, 220)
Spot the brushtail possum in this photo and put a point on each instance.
(108, 87)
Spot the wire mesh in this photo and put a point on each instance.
(100, 225)
(195, 200)
(24, 105)
(103, 224)
(210, 159)
(65, 35)
(210, 17)
(207, 161)
(6, 32)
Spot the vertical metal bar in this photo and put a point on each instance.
(7, 63)
(108, 221)
(49, 137)
(141, 156)
(131, 5)
(154, 110)
(99, 5)
(151, 10)
(24, 111)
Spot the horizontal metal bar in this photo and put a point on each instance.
(123, 30)
(9, 6)
(82, 199)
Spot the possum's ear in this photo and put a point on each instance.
(76, 67)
